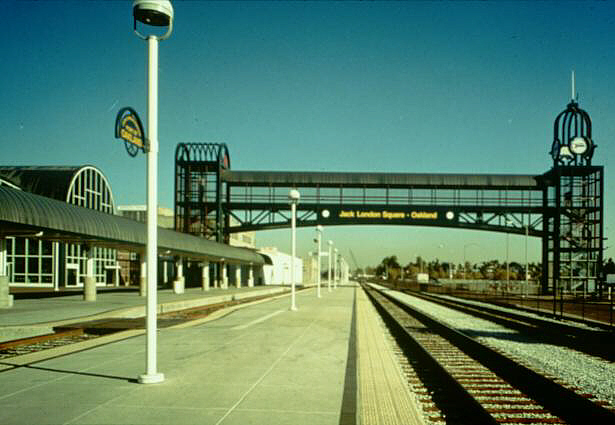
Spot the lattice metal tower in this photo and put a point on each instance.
(199, 190)
(574, 210)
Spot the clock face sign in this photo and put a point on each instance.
(578, 145)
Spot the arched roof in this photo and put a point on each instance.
(24, 212)
(50, 181)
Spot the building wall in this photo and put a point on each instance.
(130, 262)
(278, 273)
(39, 263)
(139, 213)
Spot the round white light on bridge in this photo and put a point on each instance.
(450, 215)
(325, 213)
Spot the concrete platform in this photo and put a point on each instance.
(327, 363)
(261, 364)
(36, 316)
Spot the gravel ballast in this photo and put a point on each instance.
(590, 374)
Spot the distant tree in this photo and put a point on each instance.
(390, 267)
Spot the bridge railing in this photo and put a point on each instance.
(279, 195)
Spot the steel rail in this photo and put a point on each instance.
(593, 342)
(475, 413)
(560, 401)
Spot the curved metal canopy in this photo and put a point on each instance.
(26, 214)
(50, 181)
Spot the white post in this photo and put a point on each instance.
(238, 276)
(205, 276)
(178, 284)
(527, 266)
(251, 276)
(143, 278)
(3, 256)
(89, 281)
(329, 270)
(224, 284)
(335, 269)
(507, 264)
(293, 212)
(151, 375)
(319, 231)
(6, 300)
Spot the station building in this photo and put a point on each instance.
(44, 264)
(277, 270)
(36, 263)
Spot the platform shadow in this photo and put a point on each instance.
(71, 372)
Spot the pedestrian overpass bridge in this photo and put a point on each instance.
(563, 206)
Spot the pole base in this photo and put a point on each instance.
(153, 378)
(293, 308)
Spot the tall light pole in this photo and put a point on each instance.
(527, 233)
(329, 270)
(319, 231)
(335, 268)
(508, 222)
(157, 13)
(293, 197)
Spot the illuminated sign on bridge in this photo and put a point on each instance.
(389, 215)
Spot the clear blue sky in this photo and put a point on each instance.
(367, 86)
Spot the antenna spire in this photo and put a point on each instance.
(573, 88)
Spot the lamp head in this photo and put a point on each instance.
(319, 228)
(293, 196)
(156, 13)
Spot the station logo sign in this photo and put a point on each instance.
(128, 128)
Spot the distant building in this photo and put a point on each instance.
(244, 240)
(278, 272)
(139, 213)
(37, 263)
(166, 220)
(129, 261)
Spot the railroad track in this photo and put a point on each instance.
(43, 342)
(594, 342)
(83, 331)
(461, 381)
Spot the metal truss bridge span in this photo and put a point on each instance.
(258, 200)
(563, 206)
